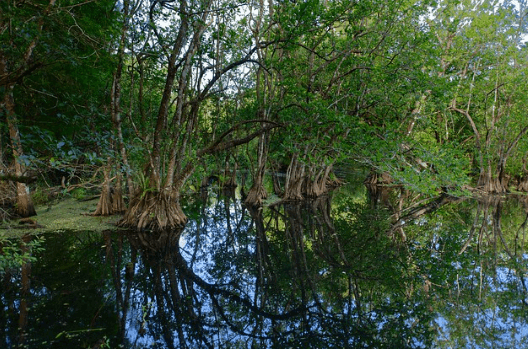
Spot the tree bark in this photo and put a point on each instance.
(104, 206)
(24, 206)
(294, 180)
(257, 193)
(230, 175)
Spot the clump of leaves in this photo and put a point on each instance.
(40, 196)
(143, 183)
(15, 252)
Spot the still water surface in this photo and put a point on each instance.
(358, 269)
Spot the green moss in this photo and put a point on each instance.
(78, 193)
(69, 214)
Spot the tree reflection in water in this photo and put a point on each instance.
(394, 270)
(285, 276)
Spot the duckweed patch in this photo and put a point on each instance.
(68, 214)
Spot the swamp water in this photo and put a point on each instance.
(359, 269)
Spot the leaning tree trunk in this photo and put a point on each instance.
(24, 203)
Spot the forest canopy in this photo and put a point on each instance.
(146, 100)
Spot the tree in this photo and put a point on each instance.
(11, 72)
(347, 71)
(36, 35)
(194, 69)
(113, 203)
(482, 57)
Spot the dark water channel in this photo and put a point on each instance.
(358, 269)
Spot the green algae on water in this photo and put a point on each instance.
(68, 214)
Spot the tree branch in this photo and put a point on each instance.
(219, 145)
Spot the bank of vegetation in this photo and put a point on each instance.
(142, 100)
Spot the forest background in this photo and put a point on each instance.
(147, 99)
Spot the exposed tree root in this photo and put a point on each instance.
(378, 178)
(295, 176)
(523, 185)
(154, 211)
(7, 199)
(493, 185)
(111, 199)
(256, 195)
(277, 189)
(104, 206)
(334, 182)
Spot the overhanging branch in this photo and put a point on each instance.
(218, 145)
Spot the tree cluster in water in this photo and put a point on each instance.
(148, 100)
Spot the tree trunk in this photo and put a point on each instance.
(1, 152)
(112, 202)
(493, 184)
(104, 206)
(375, 178)
(118, 203)
(276, 184)
(24, 207)
(294, 180)
(230, 176)
(257, 194)
(523, 181)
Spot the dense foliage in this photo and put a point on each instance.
(151, 96)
